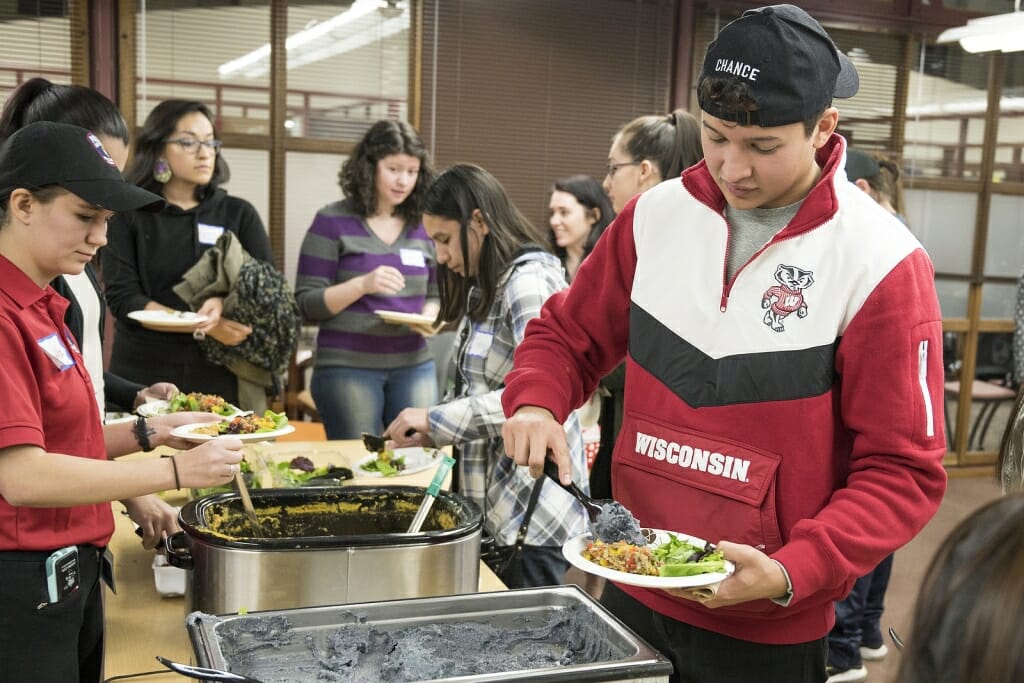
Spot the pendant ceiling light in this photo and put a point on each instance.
(999, 32)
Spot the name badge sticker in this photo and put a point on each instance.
(70, 340)
(412, 257)
(208, 234)
(480, 344)
(54, 348)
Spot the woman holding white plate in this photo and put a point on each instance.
(176, 155)
(363, 255)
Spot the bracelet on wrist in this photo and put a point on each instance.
(142, 434)
(174, 465)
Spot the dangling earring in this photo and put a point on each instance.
(161, 171)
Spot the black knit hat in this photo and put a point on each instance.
(47, 153)
(790, 66)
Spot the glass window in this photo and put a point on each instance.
(347, 67)
(36, 40)
(319, 187)
(249, 172)
(866, 120)
(181, 51)
(944, 222)
(1009, 166)
(1005, 252)
(946, 106)
(998, 300)
(952, 297)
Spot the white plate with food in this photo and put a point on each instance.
(575, 548)
(404, 460)
(400, 318)
(189, 432)
(203, 403)
(181, 321)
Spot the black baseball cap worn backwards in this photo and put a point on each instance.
(790, 65)
(47, 153)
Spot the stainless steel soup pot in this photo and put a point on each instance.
(324, 546)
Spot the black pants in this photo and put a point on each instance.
(536, 566)
(175, 358)
(701, 656)
(58, 643)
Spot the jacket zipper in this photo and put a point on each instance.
(922, 379)
(723, 302)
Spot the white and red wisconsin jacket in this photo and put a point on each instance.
(798, 407)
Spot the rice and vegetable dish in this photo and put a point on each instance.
(669, 558)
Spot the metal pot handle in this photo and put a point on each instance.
(179, 553)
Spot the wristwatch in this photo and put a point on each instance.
(142, 434)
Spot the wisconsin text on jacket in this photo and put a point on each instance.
(684, 455)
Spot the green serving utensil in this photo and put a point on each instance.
(431, 494)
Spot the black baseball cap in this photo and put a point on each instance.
(47, 153)
(790, 66)
(860, 165)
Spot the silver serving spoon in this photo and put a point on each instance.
(204, 674)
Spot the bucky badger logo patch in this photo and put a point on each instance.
(787, 296)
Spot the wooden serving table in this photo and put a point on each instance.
(141, 624)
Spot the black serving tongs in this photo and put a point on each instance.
(609, 520)
(374, 443)
(204, 674)
(378, 444)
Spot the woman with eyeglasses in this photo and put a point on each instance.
(648, 150)
(176, 155)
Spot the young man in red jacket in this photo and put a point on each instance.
(784, 364)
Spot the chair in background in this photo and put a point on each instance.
(298, 401)
(992, 384)
(990, 395)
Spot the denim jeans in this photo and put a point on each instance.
(857, 618)
(356, 400)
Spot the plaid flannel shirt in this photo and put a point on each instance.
(473, 419)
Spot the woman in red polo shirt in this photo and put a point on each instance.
(58, 188)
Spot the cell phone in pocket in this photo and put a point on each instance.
(62, 578)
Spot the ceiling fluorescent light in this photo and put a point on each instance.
(318, 38)
(1000, 32)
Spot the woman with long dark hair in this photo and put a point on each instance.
(494, 274)
(177, 155)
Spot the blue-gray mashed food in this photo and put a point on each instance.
(616, 523)
(271, 650)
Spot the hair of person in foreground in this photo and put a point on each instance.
(967, 624)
